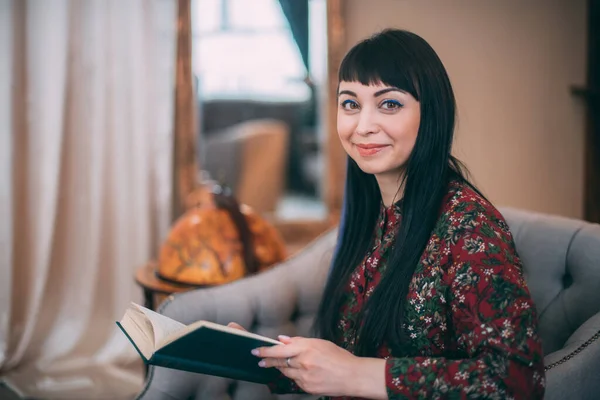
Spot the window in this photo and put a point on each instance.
(246, 50)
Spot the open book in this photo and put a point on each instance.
(202, 347)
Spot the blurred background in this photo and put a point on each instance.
(113, 113)
(260, 71)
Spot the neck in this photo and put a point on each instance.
(390, 187)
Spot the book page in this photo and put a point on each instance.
(233, 331)
(139, 330)
(217, 327)
(163, 326)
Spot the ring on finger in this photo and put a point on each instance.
(287, 362)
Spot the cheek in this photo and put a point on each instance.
(345, 127)
(404, 132)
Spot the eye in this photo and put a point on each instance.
(391, 105)
(349, 105)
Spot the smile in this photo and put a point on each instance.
(366, 150)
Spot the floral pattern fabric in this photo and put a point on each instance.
(470, 320)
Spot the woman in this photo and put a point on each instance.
(426, 296)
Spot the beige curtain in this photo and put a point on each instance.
(86, 125)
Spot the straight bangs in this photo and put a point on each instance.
(377, 61)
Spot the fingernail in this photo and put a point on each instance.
(261, 363)
(254, 352)
(284, 337)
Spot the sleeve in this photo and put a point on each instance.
(493, 320)
(284, 385)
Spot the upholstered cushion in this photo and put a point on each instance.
(575, 369)
(561, 258)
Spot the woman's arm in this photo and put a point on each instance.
(493, 318)
(321, 367)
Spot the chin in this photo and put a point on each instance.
(378, 166)
(372, 168)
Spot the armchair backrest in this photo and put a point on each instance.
(561, 259)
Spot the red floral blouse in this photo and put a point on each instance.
(470, 318)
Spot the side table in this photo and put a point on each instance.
(156, 289)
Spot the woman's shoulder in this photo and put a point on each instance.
(463, 197)
(475, 235)
(464, 206)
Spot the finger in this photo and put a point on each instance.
(290, 348)
(236, 326)
(285, 339)
(278, 351)
(273, 363)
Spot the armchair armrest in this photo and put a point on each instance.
(574, 370)
(282, 300)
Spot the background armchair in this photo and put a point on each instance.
(249, 155)
(561, 258)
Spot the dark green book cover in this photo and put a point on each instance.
(213, 352)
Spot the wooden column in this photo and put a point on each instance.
(335, 162)
(185, 164)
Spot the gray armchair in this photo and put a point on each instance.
(561, 258)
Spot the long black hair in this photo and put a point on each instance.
(404, 60)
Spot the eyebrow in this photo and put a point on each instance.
(376, 94)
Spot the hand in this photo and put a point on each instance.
(320, 367)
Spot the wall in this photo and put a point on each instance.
(512, 62)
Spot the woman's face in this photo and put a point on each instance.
(377, 126)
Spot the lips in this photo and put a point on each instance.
(370, 149)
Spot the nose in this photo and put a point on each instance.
(366, 124)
